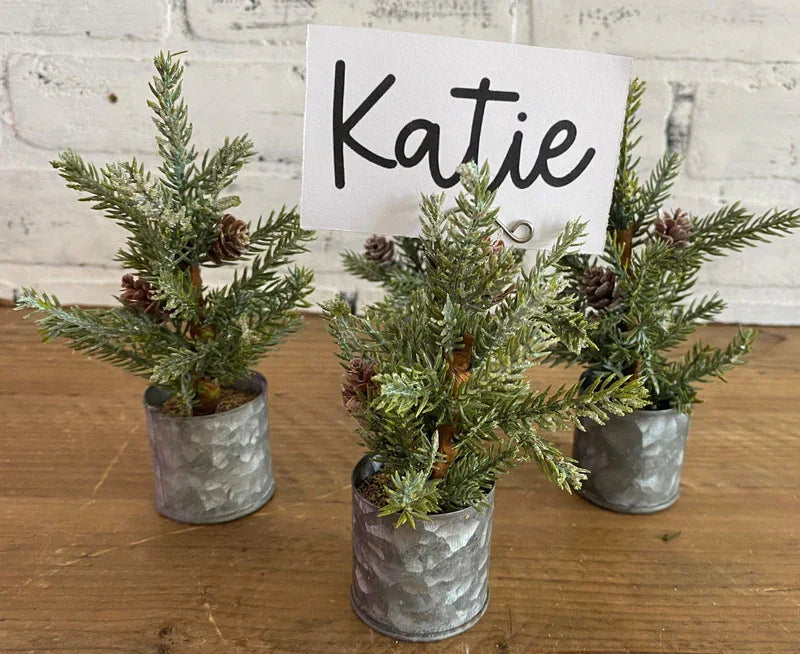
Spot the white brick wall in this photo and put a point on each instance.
(72, 88)
(746, 132)
(724, 90)
(735, 30)
(271, 21)
(144, 20)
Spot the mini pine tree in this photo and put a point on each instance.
(169, 327)
(436, 376)
(635, 292)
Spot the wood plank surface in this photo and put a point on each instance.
(87, 565)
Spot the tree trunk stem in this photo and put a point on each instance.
(624, 238)
(459, 368)
(207, 389)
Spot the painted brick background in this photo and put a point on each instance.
(724, 91)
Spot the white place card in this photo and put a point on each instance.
(391, 115)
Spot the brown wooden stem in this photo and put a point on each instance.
(207, 390)
(196, 328)
(447, 448)
(624, 238)
(459, 368)
(634, 370)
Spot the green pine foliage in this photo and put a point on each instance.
(648, 315)
(446, 360)
(398, 277)
(170, 328)
(405, 272)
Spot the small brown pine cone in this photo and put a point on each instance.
(379, 249)
(138, 294)
(357, 383)
(232, 240)
(675, 228)
(599, 286)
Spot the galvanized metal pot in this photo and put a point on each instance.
(420, 584)
(635, 461)
(211, 468)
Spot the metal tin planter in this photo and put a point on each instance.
(421, 584)
(211, 468)
(634, 461)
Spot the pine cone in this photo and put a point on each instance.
(357, 382)
(599, 286)
(138, 294)
(379, 248)
(676, 228)
(232, 241)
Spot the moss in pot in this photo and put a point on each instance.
(635, 295)
(436, 379)
(206, 408)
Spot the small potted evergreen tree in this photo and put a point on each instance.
(635, 295)
(436, 379)
(206, 409)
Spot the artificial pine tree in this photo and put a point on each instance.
(436, 374)
(170, 327)
(635, 293)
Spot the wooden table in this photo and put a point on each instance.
(87, 565)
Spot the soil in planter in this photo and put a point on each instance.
(372, 488)
(229, 398)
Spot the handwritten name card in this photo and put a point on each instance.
(391, 115)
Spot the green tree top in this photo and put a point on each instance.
(636, 293)
(169, 327)
(436, 374)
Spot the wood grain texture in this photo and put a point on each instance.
(86, 564)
